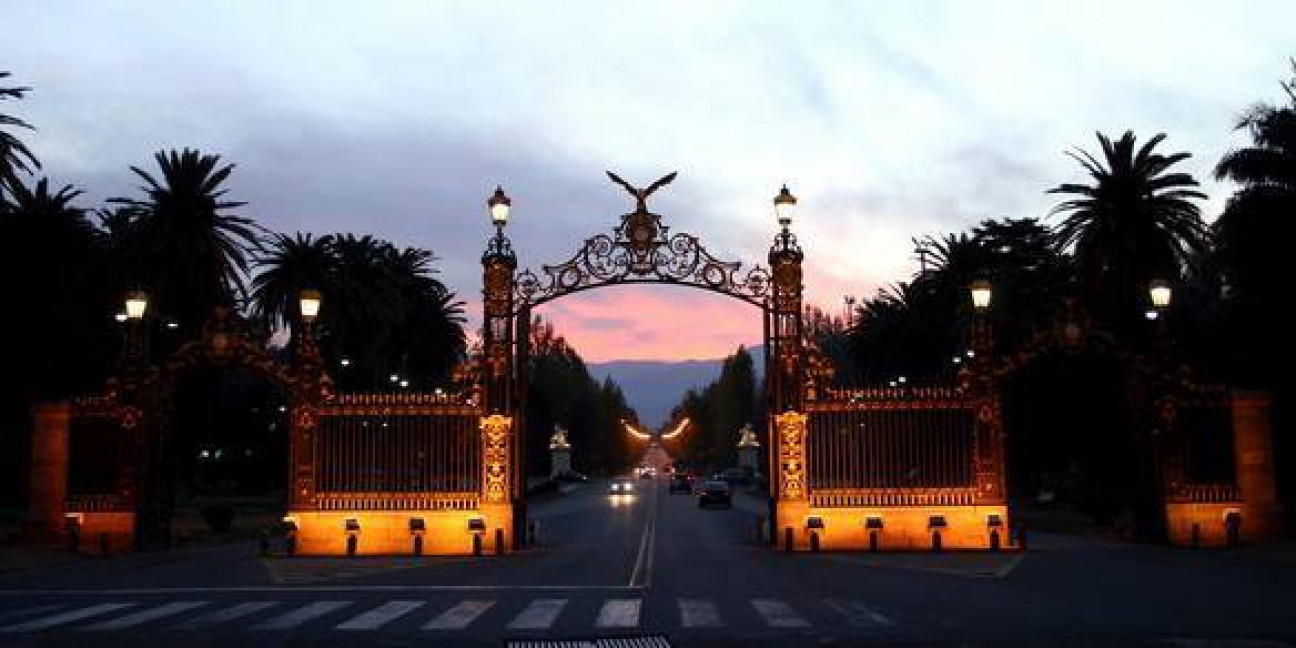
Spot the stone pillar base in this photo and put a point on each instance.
(904, 528)
(387, 533)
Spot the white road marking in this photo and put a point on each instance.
(319, 589)
(459, 616)
(380, 616)
(228, 614)
(698, 613)
(144, 616)
(294, 618)
(858, 614)
(64, 618)
(778, 614)
(540, 614)
(619, 613)
(28, 611)
(641, 575)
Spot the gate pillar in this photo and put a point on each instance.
(497, 479)
(793, 504)
(1253, 454)
(47, 488)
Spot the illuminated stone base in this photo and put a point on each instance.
(1209, 518)
(904, 528)
(114, 531)
(387, 533)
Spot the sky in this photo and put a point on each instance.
(888, 120)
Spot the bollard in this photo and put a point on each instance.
(994, 539)
(103, 545)
(290, 544)
(936, 542)
(418, 545)
(74, 539)
(1233, 530)
(874, 543)
(477, 544)
(265, 543)
(814, 542)
(499, 542)
(353, 543)
(1195, 539)
(1021, 538)
(531, 534)
(787, 539)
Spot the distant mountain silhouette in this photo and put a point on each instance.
(653, 387)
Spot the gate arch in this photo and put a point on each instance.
(639, 250)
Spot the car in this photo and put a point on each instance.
(646, 474)
(680, 482)
(714, 492)
(571, 477)
(621, 486)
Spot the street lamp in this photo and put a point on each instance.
(499, 205)
(785, 207)
(309, 300)
(136, 304)
(981, 293)
(1160, 292)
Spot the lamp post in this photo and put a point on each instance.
(133, 352)
(982, 293)
(501, 374)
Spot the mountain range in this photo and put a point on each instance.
(653, 387)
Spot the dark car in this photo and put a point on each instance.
(681, 482)
(714, 493)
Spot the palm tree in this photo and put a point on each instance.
(1134, 223)
(287, 266)
(382, 309)
(183, 248)
(15, 157)
(1256, 227)
(52, 263)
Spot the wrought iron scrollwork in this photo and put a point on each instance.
(641, 250)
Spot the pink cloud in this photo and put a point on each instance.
(653, 323)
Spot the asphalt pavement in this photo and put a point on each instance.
(653, 569)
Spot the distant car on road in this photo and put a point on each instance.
(714, 492)
(571, 477)
(681, 482)
(621, 486)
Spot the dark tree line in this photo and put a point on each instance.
(561, 391)
(716, 413)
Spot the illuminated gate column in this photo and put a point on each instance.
(501, 482)
(786, 386)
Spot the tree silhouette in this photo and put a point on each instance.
(181, 244)
(382, 309)
(1136, 222)
(1256, 229)
(15, 157)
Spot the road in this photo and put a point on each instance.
(654, 565)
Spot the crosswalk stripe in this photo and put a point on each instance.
(778, 614)
(144, 616)
(301, 615)
(698, 613)
(64, 618)
(858, 614)
(540, 614)
(380, 616)
(619, 613)
(28, 611)
(228, 614)
(459, 616)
